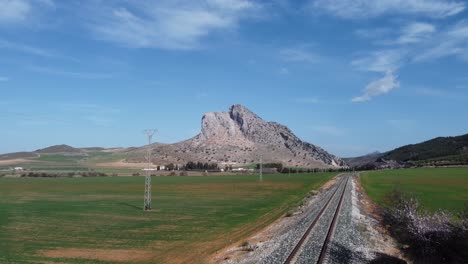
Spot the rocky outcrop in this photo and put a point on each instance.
(241, 137)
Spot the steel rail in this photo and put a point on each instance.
(331, 229)
(304, 237)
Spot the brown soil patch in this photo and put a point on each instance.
(370, 207)
(113, 255)
(15, 161)
(122, 164)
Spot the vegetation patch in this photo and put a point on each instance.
(426, 237)
(93, 217)
(435, 188)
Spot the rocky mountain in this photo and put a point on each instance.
(240, 137)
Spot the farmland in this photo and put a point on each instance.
(436, 188)
(100, 220)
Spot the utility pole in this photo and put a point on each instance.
(147, 202)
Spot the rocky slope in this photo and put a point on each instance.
(240, 137)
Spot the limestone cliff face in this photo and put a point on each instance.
(241, 137)
(241, 128)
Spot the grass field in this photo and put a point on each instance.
(99, 220)
(436, 188)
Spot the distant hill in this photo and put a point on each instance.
(359, 161)
(60, 149)
(435, 152)
(432, 149)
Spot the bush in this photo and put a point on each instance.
(433, 238)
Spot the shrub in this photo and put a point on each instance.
(433, 238)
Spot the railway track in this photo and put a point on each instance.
(324, 247)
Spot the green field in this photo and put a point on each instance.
(436, 188)
(99, 220)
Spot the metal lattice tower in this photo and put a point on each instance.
(147, 202)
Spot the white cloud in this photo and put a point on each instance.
(20, 11)
(168, 25)
(14, 11)
(451, 42)
(358, 9)
(379, 61)
(298, 55)
(381, 86)
(416, 32)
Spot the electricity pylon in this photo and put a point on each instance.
(147, 202)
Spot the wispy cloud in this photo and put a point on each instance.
(14, 11)
(384, 61)
(33, 50)
(168, 24)
(298, 55)
(20, 11)
(74, 74)
(379, 61)
(416, 32)
(359, 9)
(378, 87)
(451, 42)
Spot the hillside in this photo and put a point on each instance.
(432, 149)
(435, 152)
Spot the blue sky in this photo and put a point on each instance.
(350, 76)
